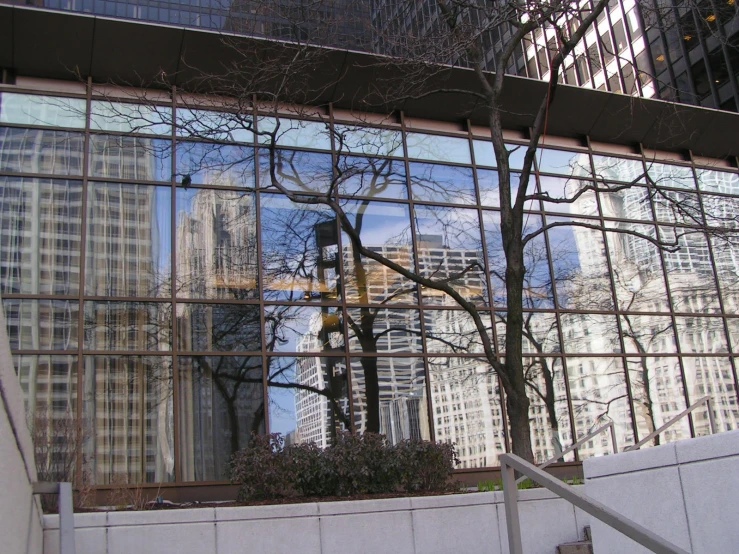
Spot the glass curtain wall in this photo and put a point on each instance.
(161, 290)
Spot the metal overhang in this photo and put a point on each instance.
(62, 45)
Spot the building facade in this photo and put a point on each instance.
(160, 291)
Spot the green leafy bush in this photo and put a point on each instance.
(355, 464)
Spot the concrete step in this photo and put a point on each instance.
(582, 547)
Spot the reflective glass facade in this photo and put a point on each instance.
(160, 290)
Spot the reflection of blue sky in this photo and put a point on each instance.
(382, 223)
(458, 227)
(281, 411)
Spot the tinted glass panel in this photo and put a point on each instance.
(41, 151)
(372, 177)
(48, 111)
(130, 118)
(216, 327)
(41, 324)
(303, 329)
(142, 159)
(442, 183)
(215, 164)
(128, 326)
(438, 148)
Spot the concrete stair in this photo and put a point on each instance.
(584, 546)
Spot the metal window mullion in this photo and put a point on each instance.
(417, 266)
(177, 401)
(668, 291)
(717, 283)
(616, 306)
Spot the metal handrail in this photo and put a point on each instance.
(66, 512)
(511, 462)
(678, 417)
(578, 444)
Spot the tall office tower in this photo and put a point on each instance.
(681, 51)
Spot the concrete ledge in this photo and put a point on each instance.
(707, 448)
(364, 506)
(627, 462)
(240, 513)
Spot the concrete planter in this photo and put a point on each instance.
(467, 523)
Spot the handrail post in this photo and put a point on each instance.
(510, 497)
(66, 519)
(613, 438)
(711, 417)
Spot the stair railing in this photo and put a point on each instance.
(711, 422)
(578, 444)
(510, 463)
(66, 512)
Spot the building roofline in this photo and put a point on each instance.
(62, 45)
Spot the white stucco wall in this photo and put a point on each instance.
(686, 492)
(20, 514)
(468, 523)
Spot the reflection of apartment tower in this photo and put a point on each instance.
(216, 246)
(438, 261)
(467, 410)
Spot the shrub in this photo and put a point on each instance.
(426, 466)
(262, 470)
(354, 464)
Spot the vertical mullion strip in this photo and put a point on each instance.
(668, 291)
(336, 160)
(614, 295)
(79, 408)
(717, 282)
(266, 360)
(177, 401)
(417, 266)
(488, 282)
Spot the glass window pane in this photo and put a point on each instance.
(453, 331)
(296, 171)
(538, 291)
(549, 416)
(368, 140)
(631, 202)
(205, 163)
(726, 259)
(648, 334)
(625, 170)
(438, 148)
(48, 111)
(484, 153)
(466, 409)
(49, 385)
(689, 271)
(142, 159)
(40, 226)
(562, 162)
(599, 394)
(658, 394)
(293, 132)
(711, 376)
(586, 333)
(128, 325)
(637, 270)
(701, 334)
(372, 177)
(221, 403)
(300, 250)
(677, 207)
(665, 175)
(563, 195)
(223, 126)
(41, 324)
(216, 244)
(389, 397)
(373, 330)
(130, 118)
(579, 263)
(516, 154)
(540, 332)
(384, 228)
(41, 151)
(488, 183)
(128, 408)
(128, 240)
(308, 399)
(442, 183)
(718, 181)
(450, 250)
(303, 329)
(218, 327)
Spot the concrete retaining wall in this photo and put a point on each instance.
(468, 523)
(20, 511)
(687, 492)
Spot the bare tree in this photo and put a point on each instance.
(277, 81)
